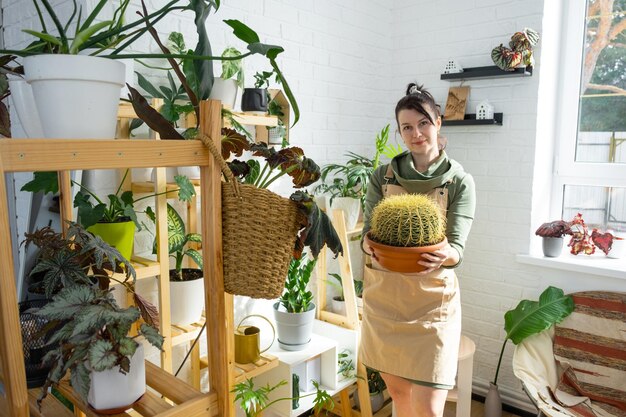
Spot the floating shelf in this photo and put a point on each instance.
(491, 71)
(470, 120)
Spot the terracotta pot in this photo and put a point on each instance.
(400, 259)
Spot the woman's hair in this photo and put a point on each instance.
(420, 100)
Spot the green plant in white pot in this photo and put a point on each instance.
(186, 284)
(225, 86)
(91, 331)
(295, 310)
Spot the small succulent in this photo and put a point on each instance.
(408, 220)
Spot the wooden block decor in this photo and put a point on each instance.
(456, 103)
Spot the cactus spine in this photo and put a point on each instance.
(408, 220)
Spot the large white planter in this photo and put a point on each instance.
(225, 91)
(24, 104)
(186, 301)
(76, 96)
(351, 208)
(112, 390)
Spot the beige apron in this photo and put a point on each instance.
(411, 323)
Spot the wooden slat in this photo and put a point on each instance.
(146, 187)
(182, 334)
(66, 390)
(70, 154)
(11, 355)
(167, 384)
(50, 407)
(126, 111)
(203, 406)
(218, 304)
(255, 119)
(151, 405)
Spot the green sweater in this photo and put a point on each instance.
(461, 192)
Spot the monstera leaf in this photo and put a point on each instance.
(532, 317)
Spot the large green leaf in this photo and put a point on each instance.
(186, 189)
(203, 67)
(175, 230)
(102, 356)
(67, 303)
(531, 317)
(45, 181)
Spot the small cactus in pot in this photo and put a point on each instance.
(403, 227)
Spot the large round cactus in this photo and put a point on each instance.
(408, 220)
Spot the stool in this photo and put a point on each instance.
(462, 392)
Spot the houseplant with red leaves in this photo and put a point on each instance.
(552, 234)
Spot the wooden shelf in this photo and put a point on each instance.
(470, 120)
(477, 73)
(244, 371)
(256, 119)
(147, 187)
(50, 406)
(194, 402)
(186, 333)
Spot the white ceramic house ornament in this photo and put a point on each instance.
(484, 110)
(452, 67)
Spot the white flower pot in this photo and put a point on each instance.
(294, 329)
(225, 91)
(112, 390)
(193, 173)
(76, 96)
(339, 306)
(618, 249)
(141, 174)
(186, 301)
(351, 208)
(24, 104)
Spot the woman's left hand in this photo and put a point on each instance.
(435, 260)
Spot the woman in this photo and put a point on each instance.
(412, 322)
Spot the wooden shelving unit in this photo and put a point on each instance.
(63, 155)
(470, 120)
(491, 71)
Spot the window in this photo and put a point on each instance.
(591, 156)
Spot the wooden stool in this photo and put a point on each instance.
(462, 393)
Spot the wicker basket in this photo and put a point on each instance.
(259, 232)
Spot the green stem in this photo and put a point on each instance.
(179, 265)
(495, 380)
(260, 177)
(155, 195)
(88, 192)
(122, 182)
(284, 399)
(287, 171)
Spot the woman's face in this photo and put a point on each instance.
(418, 133)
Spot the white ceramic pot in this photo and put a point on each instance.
(193, 173)
(294, 329)
(618, 248)
(339, 306)
(224, 91)
(24, 104)
(76, 96)
(141, 174)
(112, 390)
(351, 208)
(186, 301)
(552, 246)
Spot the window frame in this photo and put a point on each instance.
(566, 169)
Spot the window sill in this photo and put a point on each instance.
(596, 264)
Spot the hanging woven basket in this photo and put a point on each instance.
(259, 232)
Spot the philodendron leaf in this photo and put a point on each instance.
(153, 118)
(531, 317)
(186, 189)
(102, 356)
(45, 181)
(87, 212)
(152, 335)
(242, 31)
(81, 380)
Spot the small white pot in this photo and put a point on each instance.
(225, 91)
(25, 106)
(618, 249)
(76, 96)
(141, 174)
(186, 301)
(339, 306)
(351, 208)
(193, 173)
(112, 390)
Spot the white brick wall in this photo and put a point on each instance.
(348, 63)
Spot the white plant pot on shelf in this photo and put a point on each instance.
(193, 172)
(76, 96)
(351, 208)
(25, 106)
(186, 301)
(224, 91)
(112, 390)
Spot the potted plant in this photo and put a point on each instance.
(339, 302)
(256, 99)
(254, 401)
(402, 228)
(295, 310)
(186, 284)
(552, 234)
(376, 387)
(56, 69)
(116, 220)
(528, 318)
(225, 86)
(105, 362)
